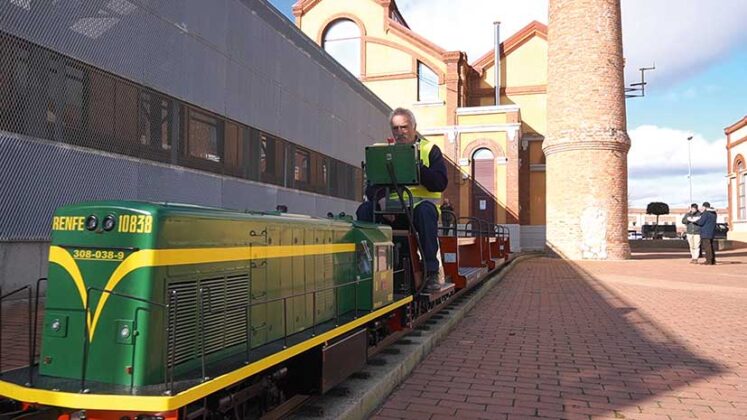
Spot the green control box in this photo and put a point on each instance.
(405, 159)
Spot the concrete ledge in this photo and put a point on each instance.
(363, 396)
(728, 244)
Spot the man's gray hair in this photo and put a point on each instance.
(403, 112)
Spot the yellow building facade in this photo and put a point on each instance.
(736, 151)
(498, 167)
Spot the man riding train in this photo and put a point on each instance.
(433, 181)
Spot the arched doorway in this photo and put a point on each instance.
(483, 189)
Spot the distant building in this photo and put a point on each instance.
(736, 152)
(497, 143)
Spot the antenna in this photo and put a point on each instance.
(638, 90)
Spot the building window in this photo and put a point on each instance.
(271, 159)
(301, 167)
(127, 121)
(14, 70)
(741, 190)
(427, 84)
(342, 40)
(46, 95)
(73, 109)
(320, 177)
(234, 149)
(155, 121)
(204, 134)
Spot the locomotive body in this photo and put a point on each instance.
(167, 311)
(168, 285)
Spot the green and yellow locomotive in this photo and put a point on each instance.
(152, 307)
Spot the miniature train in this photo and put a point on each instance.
(164, 311)
(169, 311)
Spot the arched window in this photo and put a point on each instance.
(741, 189)
(483, 188)
(483, 154)
(342, 40)
(427, 84)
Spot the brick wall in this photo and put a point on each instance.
(587, 142)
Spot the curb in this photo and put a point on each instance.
(364, 396)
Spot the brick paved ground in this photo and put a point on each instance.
(653, 337)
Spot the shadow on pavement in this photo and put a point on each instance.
(553, 341)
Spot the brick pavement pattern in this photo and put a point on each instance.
(652, 337)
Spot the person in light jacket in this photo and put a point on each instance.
(707, 223)
(693, 233)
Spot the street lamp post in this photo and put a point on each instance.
(690, 167)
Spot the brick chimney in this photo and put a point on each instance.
(587, 142)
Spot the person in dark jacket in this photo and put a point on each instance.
(433, 181)
(693, 233)
(707, 223)
(447, 216)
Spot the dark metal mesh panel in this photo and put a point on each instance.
(108, 99)
(237, 58)
(39, 176)
(50, 96)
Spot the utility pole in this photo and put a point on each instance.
(690, 167)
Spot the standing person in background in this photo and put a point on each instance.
(447, 216)
(707, 223)
(693, 232)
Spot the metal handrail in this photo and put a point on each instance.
(470, 222)
(30, 337)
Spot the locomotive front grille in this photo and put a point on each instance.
(215, 317)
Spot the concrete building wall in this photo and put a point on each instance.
(238, 59)
(241, 59)
(736, 145)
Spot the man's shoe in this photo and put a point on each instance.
(693, 261)
(432, 282)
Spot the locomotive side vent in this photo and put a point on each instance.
(224, 300)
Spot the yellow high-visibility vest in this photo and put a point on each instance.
(419, 192)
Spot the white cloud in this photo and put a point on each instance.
(681, 36)
(467, 25)
(658, 166)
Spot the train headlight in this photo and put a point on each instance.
(92, 222)
(109, 222)
(124, 332)
(56, 325)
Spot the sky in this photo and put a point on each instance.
(699, 86)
